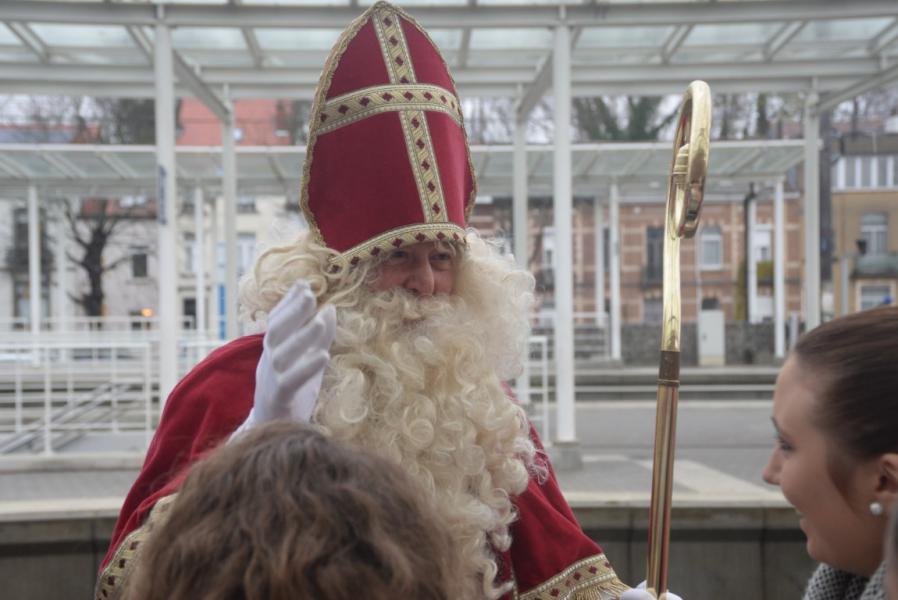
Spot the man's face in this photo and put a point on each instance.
(425, 269)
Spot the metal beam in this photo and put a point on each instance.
(121, 168)
(884, 38)
(65, 165)
(436, 17)
(674, 41)
(462, 61)
(185, 74)
(781, 38)
(277, 170)
(31, 40)
(833, 99)
(252, 44)
(541, 83)
(128, 81)
(10, 165)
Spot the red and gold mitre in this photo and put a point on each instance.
(387, 162)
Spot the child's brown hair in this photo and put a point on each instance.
(284, 512)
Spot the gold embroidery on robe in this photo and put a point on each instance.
(592, 578)
(114, 578)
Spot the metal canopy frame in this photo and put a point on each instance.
(640, 168)
(104, 48)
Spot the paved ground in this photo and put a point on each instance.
(722, 447)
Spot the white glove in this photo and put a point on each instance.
(639, 593)
(294, 357)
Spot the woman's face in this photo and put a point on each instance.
(840, 530)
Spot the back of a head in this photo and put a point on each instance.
(283, 512)
(853, 358)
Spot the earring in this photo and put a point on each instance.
(875, 509)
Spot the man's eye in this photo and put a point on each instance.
(397, 256)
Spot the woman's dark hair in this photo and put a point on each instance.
(855, 359)
(284, 512)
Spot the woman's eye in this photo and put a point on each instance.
(783, 444)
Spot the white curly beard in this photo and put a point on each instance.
(423, 391)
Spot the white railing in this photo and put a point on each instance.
(93, 324)
(54, 392)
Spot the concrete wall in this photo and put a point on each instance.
(738, 553)
(746, 344)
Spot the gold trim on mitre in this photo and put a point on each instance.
(113, 579)
(361, 104)
(405, 236)
(419, 144)
(592, 578)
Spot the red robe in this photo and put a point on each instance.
(550, 556)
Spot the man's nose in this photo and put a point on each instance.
(420, 281)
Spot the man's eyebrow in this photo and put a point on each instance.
(776, 425)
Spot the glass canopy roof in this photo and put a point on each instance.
(640, 168)
(275, 48)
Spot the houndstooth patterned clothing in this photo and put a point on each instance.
(828, 583)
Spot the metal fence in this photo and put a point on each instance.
(57, 387)
(54, 392)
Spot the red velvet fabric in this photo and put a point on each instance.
(361, 66)
(360, 182)
(214, 399)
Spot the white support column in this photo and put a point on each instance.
(216, 272)
(779, 272)
(34, 262)
(752, 266)
(61, 298)
(199, 254)
(614, 250)
(599, 224)
(564, 288)
(229, 187)
(811, 212)
(166, 193)
(890, 171)
(521, 227)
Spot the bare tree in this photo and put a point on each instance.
(628, 118)
(93, 223)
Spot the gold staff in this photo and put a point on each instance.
(684, 203)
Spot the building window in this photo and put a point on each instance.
(711, 248)
(762, 243)
(548, 248)
(139, 268)
(875, 231)
(652, 310)
(246, 204)
(189, 253)
(875, 295)
(654, 254)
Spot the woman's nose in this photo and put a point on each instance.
(771, 472)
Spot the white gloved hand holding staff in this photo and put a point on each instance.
(639, 593)
(294, 357)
